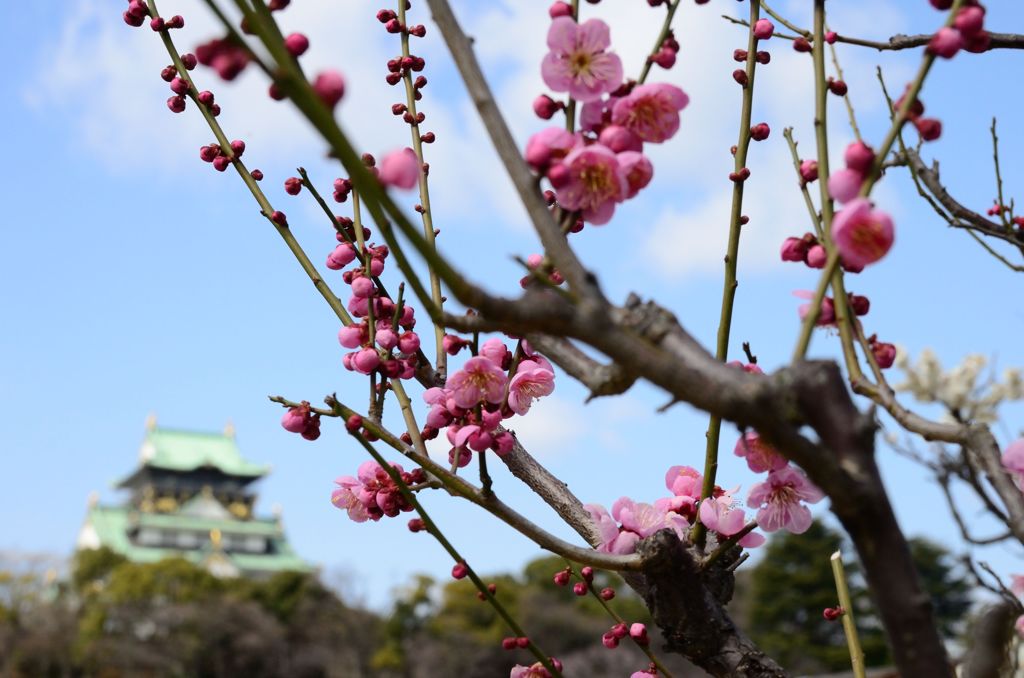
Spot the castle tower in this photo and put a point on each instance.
(191, 496)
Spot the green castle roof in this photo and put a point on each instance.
(111, 525)
(177, 450)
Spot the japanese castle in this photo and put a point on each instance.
(191, 497)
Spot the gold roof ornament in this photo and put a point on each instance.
(151, 421)
(215, 539)
(229, 429)
(93, 500)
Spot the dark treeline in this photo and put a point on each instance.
(113, 618)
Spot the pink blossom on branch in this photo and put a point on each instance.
(779, 500)
(578, 63)
(591, 179)
(759, 454)
(651, 112)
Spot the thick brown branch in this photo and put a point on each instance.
(602, 380)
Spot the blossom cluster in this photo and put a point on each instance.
(780, 500)
(601, 165)
(491, 386)
(373, 494)
(958, 389)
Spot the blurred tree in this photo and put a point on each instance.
(793, 584)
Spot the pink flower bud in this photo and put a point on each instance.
(508, 643)
(794, 249)
(366, 360)
(620, 630)
(859, 156)
(417, 525)
(930, 129)
(816, 256)
(279, 218)
(209, 153)
(562, 577)
(831, 37)
(619, 139)
(609, 641)
(376, 266)
(363, 287)
(386, 339)
(638, 632)
(665, 57)
(579, 588)
(351, 336)
(296, 44)
(342, 256)
(740, 76)
(809, 170)
(802, 45)
(460, 570)
(844, 185)
(133, 20)
(946, 42)
(860, 304)
(257, 174)
(206, 97)
(970, 21)
(523, 642)
(409, 343)
(189, 61)
(312, 430)
(400, 169)
(294, 420)
(292, 185)
(558, 9)
(221, 163)
(760, 131)
(179, 86)
(607, 593)
(885, 354)
(837, 87)
(763, 29)
(176, 104)
(330, 87)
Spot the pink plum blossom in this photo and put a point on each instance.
(778, 500)
(612, 540)
(646, 519)
(719, 515)
(345, 497)
(551, 143)
(578, 63)
(760, 455)
(478, 380)
(590, 179)
(530, 382)
(862, 234)
(651, 112)
(400, 169)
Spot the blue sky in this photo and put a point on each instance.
(135, 279)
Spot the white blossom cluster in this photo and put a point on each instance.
(959, 389)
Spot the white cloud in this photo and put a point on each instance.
(118, 106)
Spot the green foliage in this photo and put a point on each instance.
(91, 566)
(793, 584)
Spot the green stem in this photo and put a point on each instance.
(849, 625)
(576, 570)
(265, 207)
(731, 261)
(426, 213)
(436, 532)
(666, 26)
